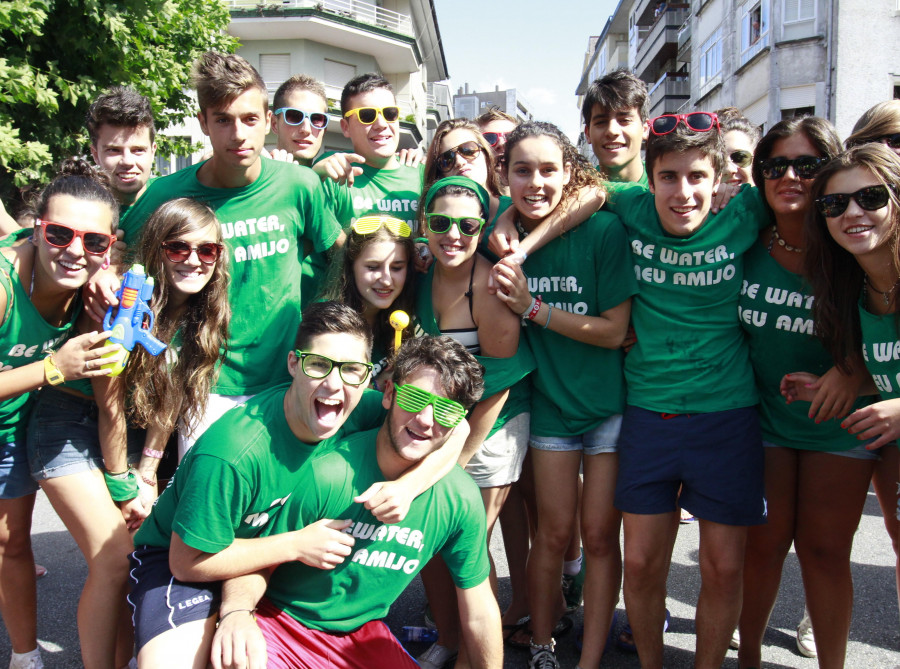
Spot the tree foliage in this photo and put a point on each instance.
(56, 56)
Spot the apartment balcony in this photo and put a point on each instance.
(684, 42)
(355, 25)
(669, 93)
(661, 42)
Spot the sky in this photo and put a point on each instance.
(535, 47)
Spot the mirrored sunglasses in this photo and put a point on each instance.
(441, 223)
(179, 251)
(367, 115)
(317, 366)
(447, 159)
(447, 412)
(366, 225)
(696, 121)
(869, 198)
(805, 167)
(293, 116)
(61, 236)
(741, 158)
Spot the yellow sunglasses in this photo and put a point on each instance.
(367, 115)
(366, 225)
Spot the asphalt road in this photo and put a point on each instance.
(874, 635)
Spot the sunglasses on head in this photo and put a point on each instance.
(468, 150)
(892, 141)
(366, 225)
(493, 138)
(441, 223)
(869, 198)
(179, 251)
(805, 167)
(61, 236)
(294, 116)
(447, 412)
(317, 366)
(741, 158)
(367, 115)
(696, 121)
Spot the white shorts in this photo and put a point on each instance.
(499, 460)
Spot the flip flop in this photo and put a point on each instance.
(39, 571)
(562, 628)
(628, 646)
(509, 629)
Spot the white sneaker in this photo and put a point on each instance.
(436, 657)
(735, 640)
(30, 660)
(806, 642)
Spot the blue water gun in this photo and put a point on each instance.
(128, 326)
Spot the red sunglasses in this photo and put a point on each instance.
(696, 121)
(61, 236)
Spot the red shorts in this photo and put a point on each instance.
(291, 645)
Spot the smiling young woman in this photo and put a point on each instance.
(40, 305)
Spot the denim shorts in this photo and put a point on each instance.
(602, 439)
(15, 477)
(856, 453)
(64, 438)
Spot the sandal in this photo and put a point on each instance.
(562, 628)
(625, 640)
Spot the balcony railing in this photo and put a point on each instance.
(670, 90)
(662, 37)
(356, 10)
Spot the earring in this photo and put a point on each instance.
(105, 264)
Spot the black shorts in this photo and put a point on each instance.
(159, 601)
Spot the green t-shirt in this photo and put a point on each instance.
(376, 191)
(25, 337)
(448, 518)
(690, 355)
(774, 311)
(585, 272)
(264, 225)
(239, 474)
(881, 350)
(499, 373)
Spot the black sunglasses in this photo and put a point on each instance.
(468, 150)
(892, 141)
(869, 198)
(741, 158)
(179, 251)
(294, 116)
(805, 167)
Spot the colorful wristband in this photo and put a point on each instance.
(122, 487)
(535, 308)
(422, 240)
(151, 453)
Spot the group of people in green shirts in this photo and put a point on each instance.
(696, 347)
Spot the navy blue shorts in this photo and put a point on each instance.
(159, 601)
(716, 458)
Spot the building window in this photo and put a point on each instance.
(169, 163)
(754, 28)
(798, 112)
(275, 68)
(711, 61)
(799, 19)
(896, 92)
